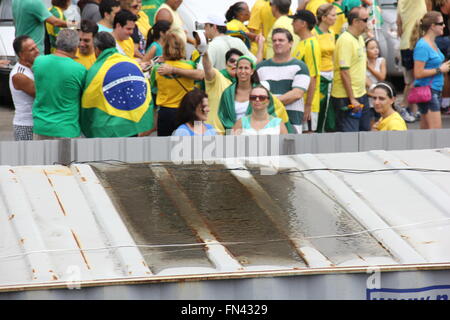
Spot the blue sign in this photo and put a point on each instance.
(426, 293)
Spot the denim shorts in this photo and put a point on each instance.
(433, 105)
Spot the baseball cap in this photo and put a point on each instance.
(305, 15)
(216, 19)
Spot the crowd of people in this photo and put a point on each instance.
(123, 70)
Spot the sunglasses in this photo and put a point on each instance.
(364, 20)
(259, 98)
(232, 60)
(440, 23)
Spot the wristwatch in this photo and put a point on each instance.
(438, 71)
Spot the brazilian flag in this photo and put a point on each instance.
(117, 98)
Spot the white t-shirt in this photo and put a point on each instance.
(23, 102)
(241, 108)
(219, 46)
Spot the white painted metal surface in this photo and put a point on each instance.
(58, 224)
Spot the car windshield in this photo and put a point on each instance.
(6, 11)
(387, 3)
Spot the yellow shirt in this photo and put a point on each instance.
(308, 51)
(236, 25)
(143, 23)
(313, 5)
(214, 88)
(394, 122)
(350, 54)
(86, 61)
(282, 22)
(262, 19)
(409, 11)
(127, 47)
(327, 45)
(341, 20)
(171, 91)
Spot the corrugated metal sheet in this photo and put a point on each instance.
(121, 223)
(150, 149)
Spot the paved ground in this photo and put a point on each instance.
(7, 114)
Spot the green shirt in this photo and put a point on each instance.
(52, 30)
(283, 77)
(29, 17)
(150, 7)
(57, 104)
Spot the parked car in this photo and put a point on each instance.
(388, 38)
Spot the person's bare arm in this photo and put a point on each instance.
(291, 96)
(309, 99)
(57, 22)
(347, 82)
(150, 54)
(237, 128)
(283, 129)
(420, 71)
(191, 40)
(25, 84)
(207, 67)
(399, 25)
(195, 74)
(260, 53)
(301, 4)
(137, 53)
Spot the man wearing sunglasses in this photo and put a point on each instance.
(349, 95)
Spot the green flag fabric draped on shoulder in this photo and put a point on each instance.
(227, 111)
(117, 99)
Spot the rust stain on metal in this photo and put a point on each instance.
(386, 162)
(60, 171)
(81, 250)
(60, 203)
(55, 277)
(22, 241)
(12, 171)
(83, 179)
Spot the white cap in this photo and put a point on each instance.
(216, 19)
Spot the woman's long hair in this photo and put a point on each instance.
(154, 34)
(188, 105)
(422, 26)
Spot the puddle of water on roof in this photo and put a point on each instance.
(150, 217)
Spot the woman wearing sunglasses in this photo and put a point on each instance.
(259, 122)
(429, 66)
(234, 102)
